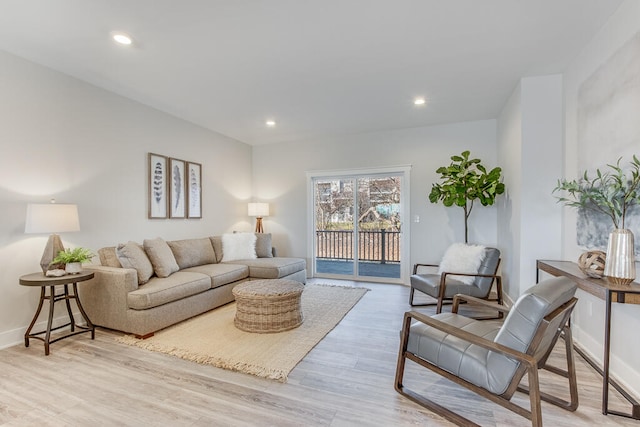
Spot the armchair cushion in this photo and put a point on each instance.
(430, 285)
(462, 258)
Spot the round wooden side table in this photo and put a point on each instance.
(39, 279)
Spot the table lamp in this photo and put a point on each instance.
(258, 210)
(51, 218)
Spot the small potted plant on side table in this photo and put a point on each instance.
(72, 259)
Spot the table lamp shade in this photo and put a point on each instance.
(51, 218)
(258, 209)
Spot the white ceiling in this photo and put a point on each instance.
(317, 67)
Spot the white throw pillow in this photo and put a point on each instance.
(462, 258)
(238, 246)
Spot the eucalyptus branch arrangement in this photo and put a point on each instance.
(611, 192)
(464, 181)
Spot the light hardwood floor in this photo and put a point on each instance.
(346, 380)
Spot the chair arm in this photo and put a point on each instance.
(495, 276)
(476, 301)
(415, 267)
(466, 336)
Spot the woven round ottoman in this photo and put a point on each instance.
(270, 305)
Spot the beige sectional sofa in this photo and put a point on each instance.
(141, 289)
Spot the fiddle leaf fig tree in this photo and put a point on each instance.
(464, 181)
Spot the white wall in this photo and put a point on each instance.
(509, 130)
(279, 173)
(625, 364)
(65, 139)
(542, 165)
(530, 134)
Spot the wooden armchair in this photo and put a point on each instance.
(443, 286)
(490, 358)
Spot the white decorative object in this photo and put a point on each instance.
(73, 267)
(58, 272)
(620, 265)
(238, 246)
(462, 258)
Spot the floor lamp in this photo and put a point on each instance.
(51, 218)
(259, 210)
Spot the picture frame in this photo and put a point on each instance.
(194, 190)
(177, 187)
(157, 189)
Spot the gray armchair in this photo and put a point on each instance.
(442, 287)
(491, 357)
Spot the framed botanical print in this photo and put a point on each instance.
(194, 190)
(158, 200)
(177, 185)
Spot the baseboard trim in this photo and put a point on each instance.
(16, 336)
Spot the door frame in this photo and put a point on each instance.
(405, 210)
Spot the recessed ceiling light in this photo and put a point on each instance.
(122, 38)
(419, 101)
(270, 123)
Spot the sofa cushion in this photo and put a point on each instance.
(272, 268)
(238, 246)
(163, 290)
(263, 245)
(192, 252)
(108, 257)
(222, 274)
(161, 257)
(216, 242)
(132, 255)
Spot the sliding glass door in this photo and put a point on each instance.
(357, 226)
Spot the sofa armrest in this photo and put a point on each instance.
(104, 297)
(124, 278)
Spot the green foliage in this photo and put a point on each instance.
(611, 192)
(464, 181)
(72, 255)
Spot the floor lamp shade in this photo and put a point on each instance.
(51, 218)
(258, 210)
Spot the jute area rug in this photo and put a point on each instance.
(212, 338)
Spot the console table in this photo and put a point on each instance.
(39, 279)
(610, 293)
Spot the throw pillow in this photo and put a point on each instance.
(192, 252)
(238, 246)
(263, 245)
(132, 255)
(462, 258)
(108, 257)
(216, 242)
(161, 257)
